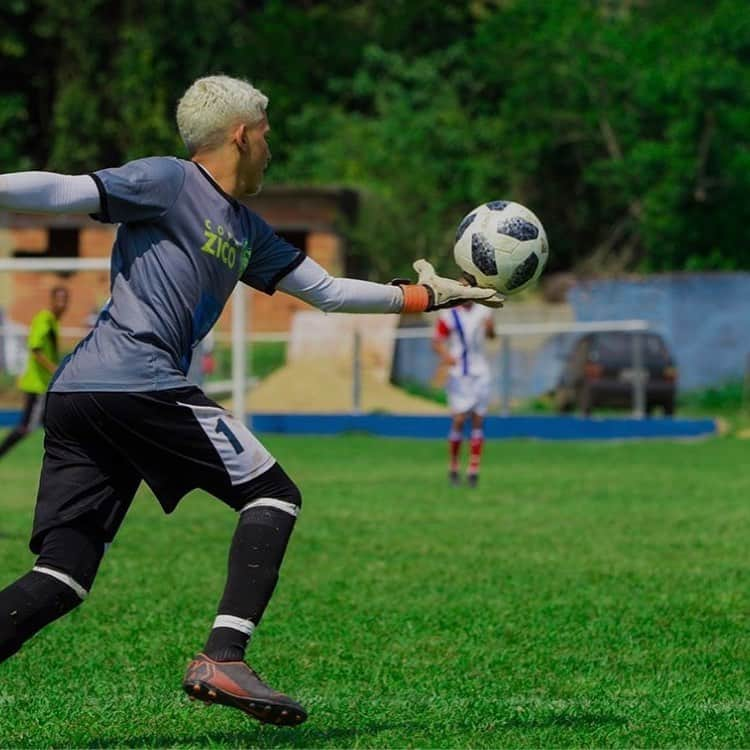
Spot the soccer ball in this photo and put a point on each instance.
(501, 245)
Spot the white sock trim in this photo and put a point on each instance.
(63, 578)
(236, 623)
(272, 502)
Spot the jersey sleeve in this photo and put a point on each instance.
(141, 190)
(39, 330)
(271, 257)
(442, 327)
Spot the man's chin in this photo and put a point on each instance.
(254, 188)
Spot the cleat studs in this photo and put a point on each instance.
(212, 694)
(196, 688)
(285, 713)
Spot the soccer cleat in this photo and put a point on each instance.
(233, 683)
(472, 479)
(453, 478)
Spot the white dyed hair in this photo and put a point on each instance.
(214, 104)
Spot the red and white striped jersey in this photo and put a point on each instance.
(465, 330)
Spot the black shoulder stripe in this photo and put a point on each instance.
(104, 213)
(271, 286)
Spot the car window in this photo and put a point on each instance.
(614, 346)
(654, 346)
(618, 347)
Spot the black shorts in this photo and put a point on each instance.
(99, 446)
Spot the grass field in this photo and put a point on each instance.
(585, 595)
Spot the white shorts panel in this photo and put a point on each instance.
(242, 454)
(468, 393)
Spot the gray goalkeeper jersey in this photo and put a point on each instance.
(181, 247)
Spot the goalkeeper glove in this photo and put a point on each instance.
(432, 292)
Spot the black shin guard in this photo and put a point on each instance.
(255, 557)
(27, 605)
(62, 576)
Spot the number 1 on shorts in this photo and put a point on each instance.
(223, 428)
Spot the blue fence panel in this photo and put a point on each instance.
(705, 318)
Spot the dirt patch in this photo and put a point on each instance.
(310, 386)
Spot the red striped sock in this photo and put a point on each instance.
(475, 456)
(454, 442)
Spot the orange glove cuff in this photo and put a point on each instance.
(416, 298)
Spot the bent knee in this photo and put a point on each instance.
(292, 494)
(273, 486)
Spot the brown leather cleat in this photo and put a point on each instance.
(233, 683)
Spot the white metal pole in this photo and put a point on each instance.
(639, 377)
(506, 365)
(238, 352)
(357, 373)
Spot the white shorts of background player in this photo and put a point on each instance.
(467, 393)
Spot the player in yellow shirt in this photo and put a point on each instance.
(43, 361)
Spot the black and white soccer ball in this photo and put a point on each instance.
(501, 245)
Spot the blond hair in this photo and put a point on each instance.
(214, 104)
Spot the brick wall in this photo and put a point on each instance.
(30, 291)
(25, 293)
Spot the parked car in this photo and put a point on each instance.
(599, 372)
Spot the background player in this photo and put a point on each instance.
(460, 335)
(120, 409)
(44, 357)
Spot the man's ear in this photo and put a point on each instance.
(239, 137)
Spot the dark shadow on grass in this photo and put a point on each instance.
(258, 736)
(577, 721)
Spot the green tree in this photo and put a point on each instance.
(622, 123)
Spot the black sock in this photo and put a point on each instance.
(13, 437)
(27, 605)
(38, 598)
(255, 557)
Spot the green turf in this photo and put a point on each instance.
(587, 595)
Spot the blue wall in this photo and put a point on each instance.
(705, 318)
(437, 427)
(540, 428)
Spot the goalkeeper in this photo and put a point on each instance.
(43, 360)
(120, 410)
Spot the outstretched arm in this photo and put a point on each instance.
(47, 192)
(313, 284)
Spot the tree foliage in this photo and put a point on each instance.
(623, 123)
